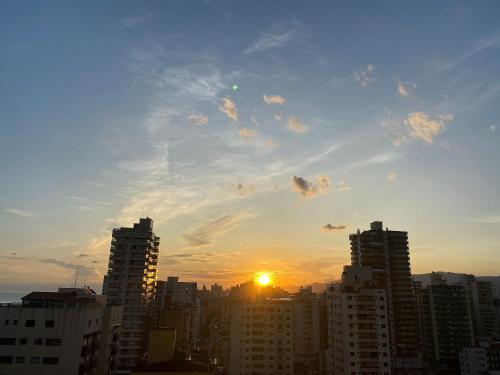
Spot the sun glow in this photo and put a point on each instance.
(263, 279)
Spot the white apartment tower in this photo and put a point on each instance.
(358, 324)
(261, 337)
(130, 282)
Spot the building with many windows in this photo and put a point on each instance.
(58, 333)
(261, 337)
(130, 282)
(358, 325)
(387, 253)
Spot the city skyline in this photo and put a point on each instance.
(257, 137)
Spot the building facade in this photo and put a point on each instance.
(130, 282)
(446, 322)
(59, 333)
(387, 253)
(358, 324)
(261, 337)
(306, 332)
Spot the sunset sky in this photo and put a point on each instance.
(256, 134)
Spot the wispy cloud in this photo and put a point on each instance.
(329, 228)
(21, 213)
(132, 21)
(343, 187)
(392, 176)
(471, 51)
(247, 132)
(365, 75)
(274, 99)
(229, 108)
(209, 233)
(406, 89)
(198, 119)
(280, 35)
(489, 218)
(95, 184)
(295, 125)
(244, 190)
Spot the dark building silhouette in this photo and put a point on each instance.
(387, 253)
(130, 281)
(446, 323)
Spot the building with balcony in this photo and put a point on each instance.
(130, 282)
(71, 331)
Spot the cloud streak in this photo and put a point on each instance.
(209, 233)
(279, 35)
(329, 228)
(21, 213)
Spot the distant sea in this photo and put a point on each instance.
(6, 297)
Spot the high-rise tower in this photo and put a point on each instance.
(130, 281)
(387, 252)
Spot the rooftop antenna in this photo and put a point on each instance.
(76, 275)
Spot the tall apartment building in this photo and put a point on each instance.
(482, 302)
(358, 324)
(446, 322)
(481, 359)
(306, 332)
(58, 333)
(130, 282)
(261, 337)
(387, 252)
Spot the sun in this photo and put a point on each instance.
(264, 279)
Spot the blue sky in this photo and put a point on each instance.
(344, 113)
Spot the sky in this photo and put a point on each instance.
(257, 135)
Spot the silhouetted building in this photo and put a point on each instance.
(482, 303)
(130, 282)
(481, 359)
(306, 332)
(59, 333)
(387, 252)
(446, 323)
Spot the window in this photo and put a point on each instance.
(50, 360)
(6, 322)
(49, 323)
(53, 342)
(38, 340)
(20, 359)
(35, 360)
(23, 341)
(7, 341)
(14, 322)
(30, 323)
(5, 359)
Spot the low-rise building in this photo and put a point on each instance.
(71, 331)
